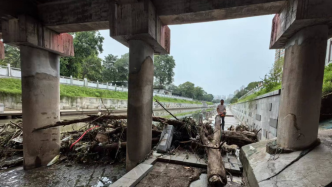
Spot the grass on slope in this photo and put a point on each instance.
(327, 86)
(327, 82)
(10, 86)
(173, 100)
(259, 93)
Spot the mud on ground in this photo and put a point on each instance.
(64, 175)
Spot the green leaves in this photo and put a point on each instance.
(87, 46)
(12, 57)
(164, 69)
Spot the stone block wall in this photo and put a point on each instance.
(15, 103)
(261, 113)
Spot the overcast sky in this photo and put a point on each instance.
(218, 56)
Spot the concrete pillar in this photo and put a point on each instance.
(40, 104)
(302, 88)
(140, 88)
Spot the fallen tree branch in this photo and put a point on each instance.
(166, 109)
(106, 117)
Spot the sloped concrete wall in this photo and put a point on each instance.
(15, 103)
(261, 113)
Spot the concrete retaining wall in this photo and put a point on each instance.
(261, 113)
(15, 103)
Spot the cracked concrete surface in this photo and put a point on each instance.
(314, 169)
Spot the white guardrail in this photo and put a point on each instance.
(7, 71)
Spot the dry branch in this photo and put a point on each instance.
(105, 117)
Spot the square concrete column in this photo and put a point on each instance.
(40, 104)
(302, 88)
(140, 89)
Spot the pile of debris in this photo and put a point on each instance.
(11, 144)
(103, 140)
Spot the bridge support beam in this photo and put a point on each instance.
(302, 88)
(301, 28)
(40, 50)
(137, 26)
(139, 134)
(40, 105)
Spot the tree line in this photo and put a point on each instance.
(112, 69)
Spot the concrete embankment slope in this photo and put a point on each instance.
(90, 105)
(260, 113)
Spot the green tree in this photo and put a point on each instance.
(252, 85)
(109, 70)
(198, 93)
(91, 68)
(273, 78)
(175, 90)
(164, 69)
(122, 69)
(187, 89)
(85, 44)
(12, 57)
(208, 97)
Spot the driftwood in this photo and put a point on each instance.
(95, 118)
(238, 138)
(215, 168)
(114, 146)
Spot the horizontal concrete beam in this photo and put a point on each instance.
(76, 15)
(139, 21)
(2, 50)
(296, 15)
(27, 31)
(84, 15)
(183, 11)
(12, 9)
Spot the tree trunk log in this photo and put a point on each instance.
(238, 138)
(215, 169)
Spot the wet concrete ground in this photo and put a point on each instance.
(63, 175)
(177, 175)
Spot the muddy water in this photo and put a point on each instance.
(79, 175)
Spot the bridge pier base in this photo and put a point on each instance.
(40, 105)
(302, 88)
(40, 50)
(140, 93)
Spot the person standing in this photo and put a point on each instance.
(221, 109)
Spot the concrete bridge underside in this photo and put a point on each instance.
(39, 28)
